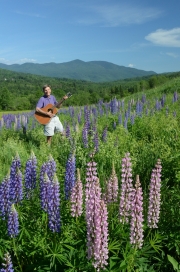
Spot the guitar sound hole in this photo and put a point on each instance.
(50, 110)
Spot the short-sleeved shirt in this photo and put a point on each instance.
(44, 101)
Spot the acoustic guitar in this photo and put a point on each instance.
(44, 119)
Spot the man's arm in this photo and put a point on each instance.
(48, 113)
(62, 100)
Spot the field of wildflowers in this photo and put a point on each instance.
(104, 198)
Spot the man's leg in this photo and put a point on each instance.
(49, 131)
(49, 139)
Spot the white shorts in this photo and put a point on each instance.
(53, 126)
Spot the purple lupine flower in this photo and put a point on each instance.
(44, 192)
(77, 197)
(79, 117)
(175, 96)
(13, 222)
(96, 141)
(113, 106)
(68, 131)
(136, 233)
(16, 187)
(96, 219)
(70, 175)
(7, 264)
(5, 203)
(87, 118)
(15, 166)
(155, 196)
(104, 135)
(126, 189)
(30, 175)
(54, 205)
(85, 136)
(112, 187)
(120, 119)
(51, 167)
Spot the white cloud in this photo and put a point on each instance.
(37, 15)
(172, 54)
(115, 15)
(131, 65)
(163, 37)
(20, 61)
(26, 60)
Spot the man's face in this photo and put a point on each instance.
(47, 91)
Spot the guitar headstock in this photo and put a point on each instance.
(69, 94)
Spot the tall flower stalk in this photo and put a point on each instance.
(54, 205)
(126, 189)
(13, 222)
(7, 264)
(112, 187)
(136, 233)
(155, 196)
(16, 180)
(77, 197)
(70, 176)
(5, 203)
(30, 175)
(96, 219)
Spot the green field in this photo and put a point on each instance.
(144, 125)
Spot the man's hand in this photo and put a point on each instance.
(65, 97)
(50, 114)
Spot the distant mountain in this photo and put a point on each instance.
(95, 71)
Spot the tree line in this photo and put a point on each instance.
(20, 91)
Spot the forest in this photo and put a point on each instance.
(20, 91)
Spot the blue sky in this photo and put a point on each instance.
(140, 34)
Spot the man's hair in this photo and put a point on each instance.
(45, 86)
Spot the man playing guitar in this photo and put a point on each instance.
(54, 124)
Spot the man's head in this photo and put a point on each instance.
(47, 90)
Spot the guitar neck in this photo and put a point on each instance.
(59, 103)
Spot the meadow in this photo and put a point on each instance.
(105, 197)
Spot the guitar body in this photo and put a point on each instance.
(43, 119)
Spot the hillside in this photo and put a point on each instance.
(94, 71)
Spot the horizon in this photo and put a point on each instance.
(144, 36)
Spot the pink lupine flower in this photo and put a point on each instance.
(96, 218)
(126, 189)
(155, 196)
(77, 197)
(136, 235)
(112, 187)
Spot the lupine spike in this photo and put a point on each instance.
(30, 175)
(5, 203)
(13, 222)
(77, 197)
(54, 205)
(44, 192)
(70, 175)
(155, 196)
(7, 264)
(112, 187)
(126, 189)
(136, 233)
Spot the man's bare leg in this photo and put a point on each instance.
(49, 139)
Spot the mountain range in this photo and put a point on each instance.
(95, 71)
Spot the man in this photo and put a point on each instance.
(54, 124)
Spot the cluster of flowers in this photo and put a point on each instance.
(11, 191)
(50, 194)
(131, 201)
(7, 265)
(96, 219)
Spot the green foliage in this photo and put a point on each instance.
(151, 137)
